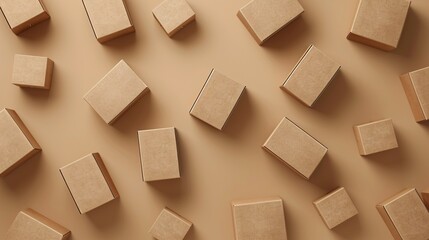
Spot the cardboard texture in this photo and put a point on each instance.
(158, 154)
(32, 71)
(296, 148)
(406, 216)
(23, 14)
(264, 18)
(173, 15)
(259, 219)
(89, 182)
(16, 143)
(310, 76)
(109, 18)
(379, 23)
(117, 91)
(375, 137)
(425, 196)
(336, 207)
(31, 225)
(217, 99)
(170, 226)
(416, 87)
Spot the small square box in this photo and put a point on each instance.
(170, 226)
(259, 219)
(158, 154)
(425, 196)
(109, 18)
(265, 18)
(310, 76)
(119, 89)
(416, 87)
(217, 99)
(375, 137)
(296, 148)
(89, 183)
(173, 15)
(406, 216)
(32, 71)
(379, 23)
(336, 208)
(30, 224)
(23, 14)
(16, 143)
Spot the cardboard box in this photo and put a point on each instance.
(265, 18)
(89, 183)
(30, 224)
(158, 154)
(375, 137)
(173, 15)
(259, 219)
(217, 99)
(170, 226)
(310, 76)
(16, 143)
(416, 87)
(406, 216)
(335, 208)
(23, 14)
(379, 24)
(296, 148)
(32, 71)
(425, 196)
(117, 91)
(109, 18)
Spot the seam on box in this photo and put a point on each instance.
(77, 206)
(201, 91)
(106, 175)
(296, 65)
(417, 96)
(234, 107)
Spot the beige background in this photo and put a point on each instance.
(216, 167)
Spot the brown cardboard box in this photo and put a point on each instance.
(109, 18)
(89, 182)
(173, 15)
(170, 226)
(16, 143)
(310, 76)
(296, 148)
(32, 71)
(259, 219)
(30, 224)
(117, 91)
(375, 136)
(264, 18)
(406, 216)
(379, 23)
(336, 207)
(217, 99)
(158, 154)
(23, 14)
(425, 196)
(416, 87)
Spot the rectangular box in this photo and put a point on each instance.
(170, 226)
(375, 136)
(32, 71)
(416, 87)
(173, 15)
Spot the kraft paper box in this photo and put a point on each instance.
(375, 137)
(217, 99)
(336, 207)
(379, 23)
(117, 91)
(406, 216)
(170, 226)
(259, 219)
(89, 182)
(425, 195)
(296, 148)
(16, 143)
(173, 15)
(30, 224)
(310, 76)
(416, 87)
(109, 18)
(32, 71)
(23, 14)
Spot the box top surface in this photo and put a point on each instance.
(172, 14)
(170, 225)
(18, 12)
(30, 70)
(377, 136)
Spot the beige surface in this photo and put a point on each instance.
(170, 226)
(217, 167)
